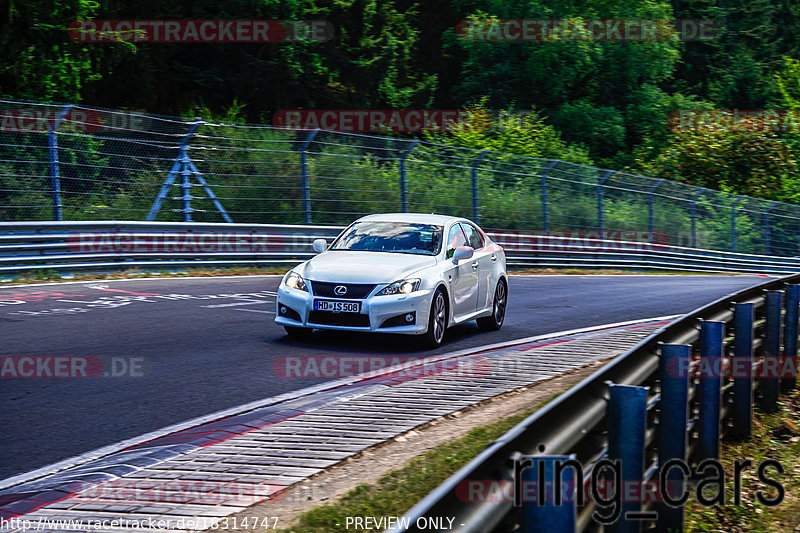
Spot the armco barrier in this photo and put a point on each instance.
(75, 246)
(666, 402)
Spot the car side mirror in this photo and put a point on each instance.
(320, 245)
(462, 253)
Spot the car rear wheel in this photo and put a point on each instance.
(437, 321)
(297, 333)
(493, 322)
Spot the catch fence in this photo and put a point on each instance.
(75, 163)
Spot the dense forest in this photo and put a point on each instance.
(606, 103)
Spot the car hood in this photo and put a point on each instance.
(342, 266)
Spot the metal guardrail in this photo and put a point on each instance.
(76, 246)
(640, 411)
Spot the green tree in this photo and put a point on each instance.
(39, 61)
(589, 89)
(787, 82)
(524, 134)
(742, 158)
(370, 61)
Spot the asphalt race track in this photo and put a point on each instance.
(161, 351)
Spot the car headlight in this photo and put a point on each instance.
(404, 286)
(295, 281)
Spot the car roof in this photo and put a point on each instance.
(418, 218)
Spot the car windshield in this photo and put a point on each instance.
(398, 237)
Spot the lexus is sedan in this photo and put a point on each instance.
(404, 273)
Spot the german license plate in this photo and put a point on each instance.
(337, 306)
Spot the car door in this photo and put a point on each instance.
(463, 277)
(483, 264)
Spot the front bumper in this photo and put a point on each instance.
(377, 309)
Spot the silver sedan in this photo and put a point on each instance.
(398, 273)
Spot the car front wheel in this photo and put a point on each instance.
(437, 321)
(493, 322)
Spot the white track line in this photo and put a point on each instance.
(236, 304)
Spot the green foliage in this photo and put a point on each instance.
(39, 61)
(370, 62)
(735, 70)
(601, 127)
(737, 158)
(587, 87)
(787, 82)
(514, 133)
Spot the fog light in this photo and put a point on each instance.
(409, 318)
(283, 309)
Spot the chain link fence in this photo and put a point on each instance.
(63, 162)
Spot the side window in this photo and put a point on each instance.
(455, 239)
(474, 237)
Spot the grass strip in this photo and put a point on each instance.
(774, 436)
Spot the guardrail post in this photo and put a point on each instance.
(541, 513)
(304, 174)
(693, 214)
(734, 235)
(600, 215)
(770, 386)
(788, 367)
(545, 201)
(743, 317)
(627, 423)
(55, 172)
(710, 373)
(474, 175)
(403, 182)
(673, 417)
(651, 209)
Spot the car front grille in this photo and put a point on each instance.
(354, 291)
(329, 318)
